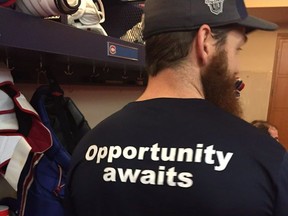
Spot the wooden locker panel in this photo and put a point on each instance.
(281, 93)
(278, 105)
(279, 118)
(283, 58)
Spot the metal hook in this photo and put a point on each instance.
(140, 78)
(8, 64)
(7, 61)
(41, 70)
(106, 69)
(125, 76)
(68, 70)
(94, 75)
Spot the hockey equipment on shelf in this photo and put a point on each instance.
(48, 7)
(89, 16)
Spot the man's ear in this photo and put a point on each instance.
(204, 44)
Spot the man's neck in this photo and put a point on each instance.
(173, 84)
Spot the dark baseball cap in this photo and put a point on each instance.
(184, 15)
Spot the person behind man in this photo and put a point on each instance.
(267, 128)
(181, 148)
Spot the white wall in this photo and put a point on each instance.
(256, 70)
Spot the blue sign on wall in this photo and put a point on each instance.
(122, 51)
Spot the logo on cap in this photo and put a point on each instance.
(216, 6)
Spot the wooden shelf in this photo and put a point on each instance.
(30, 42)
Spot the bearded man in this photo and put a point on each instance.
(181, 148)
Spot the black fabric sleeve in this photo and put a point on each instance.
(281, 207)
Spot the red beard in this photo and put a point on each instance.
(219, 84)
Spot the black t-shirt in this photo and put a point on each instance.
(177, 157)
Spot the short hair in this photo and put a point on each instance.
(170, 49)
(263, 125)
